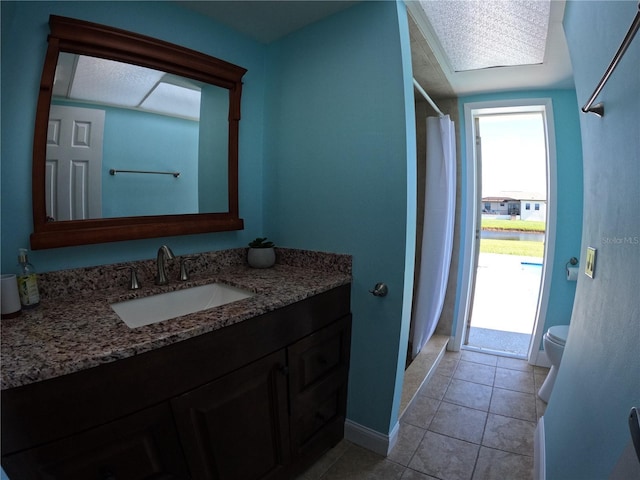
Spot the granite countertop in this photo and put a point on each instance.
(72, 332)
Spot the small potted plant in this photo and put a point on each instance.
(261, 253)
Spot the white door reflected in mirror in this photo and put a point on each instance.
(73, 185)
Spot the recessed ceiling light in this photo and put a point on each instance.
(478, 34)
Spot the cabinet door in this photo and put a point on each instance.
(141, 446)
(319, 367)
(236, 427)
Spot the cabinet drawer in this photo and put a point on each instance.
(311, 421)
(138, 447)
(318, 356)
(319, 369)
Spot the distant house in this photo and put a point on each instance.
(521, 205)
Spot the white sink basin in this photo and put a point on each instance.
(157, 308)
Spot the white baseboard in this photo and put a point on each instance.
(540, 359)
(371, 439)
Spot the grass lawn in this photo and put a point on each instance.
(512, 247)
(517, 225)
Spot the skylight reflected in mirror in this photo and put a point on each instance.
(174, 100)
(107, 82)
(479, 34)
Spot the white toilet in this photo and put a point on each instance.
(553, 342)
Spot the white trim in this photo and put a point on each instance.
(468, 243)
(539, 453)
(371, 439)
(540, 359)
(550, 236)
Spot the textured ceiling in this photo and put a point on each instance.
(490, 33)
(268, 20)
(554, 72)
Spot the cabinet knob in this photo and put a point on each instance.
(106, 474)
(283, 369)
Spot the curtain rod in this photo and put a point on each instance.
(598, 109)
(427, 97)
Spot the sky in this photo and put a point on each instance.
(513, 153)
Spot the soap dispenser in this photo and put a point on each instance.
(27, 281)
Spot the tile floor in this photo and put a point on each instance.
(473, 420)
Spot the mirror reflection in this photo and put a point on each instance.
(73, 205)
(133, 141)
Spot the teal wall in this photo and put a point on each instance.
(163, 144)
(569, 193)
(336, 176)
(24, 33)
(213, 150)
(599, 377)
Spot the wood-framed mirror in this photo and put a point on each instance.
(199, 79)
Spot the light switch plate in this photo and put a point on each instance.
(590, 267)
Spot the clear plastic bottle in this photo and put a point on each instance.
(27, 281)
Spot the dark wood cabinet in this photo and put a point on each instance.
(258, 400)
(236, 427)
(140, 446)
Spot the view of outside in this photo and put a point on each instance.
(513, 226)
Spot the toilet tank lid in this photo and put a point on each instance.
(559, 333)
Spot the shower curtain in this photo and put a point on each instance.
(437, 237)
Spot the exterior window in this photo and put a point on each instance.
(487, 206)
(527, 206)
(502, 204)
(537, 206)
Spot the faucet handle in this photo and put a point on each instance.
(184, 274)
(133, 279)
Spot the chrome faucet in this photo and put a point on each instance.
(163, 252)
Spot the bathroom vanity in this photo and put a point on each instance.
(254, 389)
(251, 389)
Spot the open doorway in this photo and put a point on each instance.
(511, 155)
(531, 266)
